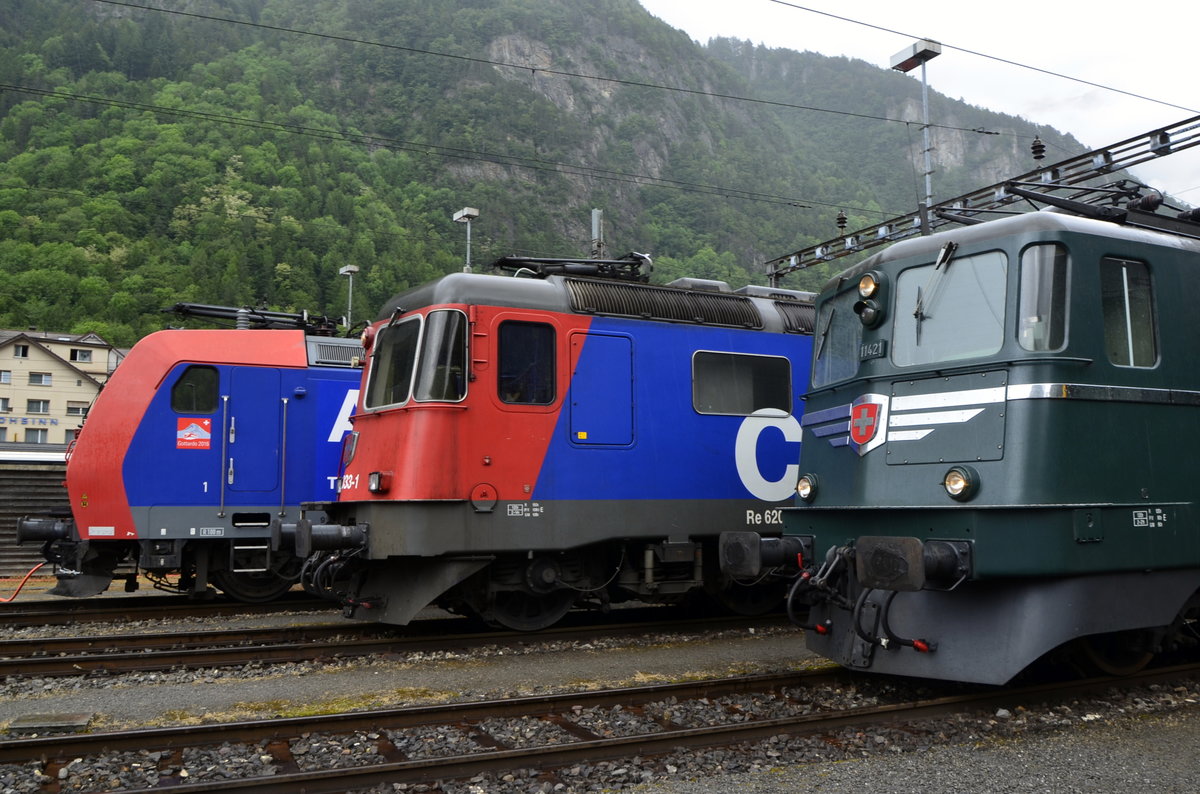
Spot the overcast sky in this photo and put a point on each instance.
(1146, 49)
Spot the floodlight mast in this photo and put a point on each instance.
(349, 271)
(906, 60)
(466, 215)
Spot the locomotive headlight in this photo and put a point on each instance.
(379, 481)
(873, 298)
(869, 313)
(806, 487)
(367, 338)
(961, 483)
(868, 285)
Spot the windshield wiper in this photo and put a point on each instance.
(823, 334)
(940, 267)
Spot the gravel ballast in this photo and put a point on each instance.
(1142, 740)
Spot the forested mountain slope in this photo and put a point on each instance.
(242, 151)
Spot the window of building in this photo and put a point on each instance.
(76, 408)
(39, 379)
(737, 384)
(38, 436)
(1128, 301)
(527, 371)
(196, 391)
(4, 406)
(20, 351)
(81, 356)
(1042, 313)
(37, 406)
(3, 434)
(5, 376)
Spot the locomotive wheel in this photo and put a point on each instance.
(522, 611)
(1119, 653)
(733, 596)
(751, 600)
(260, 586)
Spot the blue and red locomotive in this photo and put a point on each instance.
(997, 448)
(199, 440)
(523, 444)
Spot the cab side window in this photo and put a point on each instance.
(1042, 311)
(196, 391)
(527, 369)
(1127, 296)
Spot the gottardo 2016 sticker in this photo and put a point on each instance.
(193, 433)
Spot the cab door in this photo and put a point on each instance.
(601, 389)
(253, 429)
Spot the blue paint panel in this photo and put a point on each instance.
(318, 422)
(157, 472)
(601, 400)
(678, 453)
(255, 415)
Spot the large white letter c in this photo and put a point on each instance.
(745, 452)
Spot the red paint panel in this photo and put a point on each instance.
(94, 483)
(444, 450)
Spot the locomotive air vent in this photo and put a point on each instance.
(333, 352)
(705, 284)
(777, 293)
(798, 318)
(663, 303)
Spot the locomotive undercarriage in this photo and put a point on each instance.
(920, 614)
(247, 571)
(525, 591)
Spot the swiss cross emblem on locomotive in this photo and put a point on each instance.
(868, 422)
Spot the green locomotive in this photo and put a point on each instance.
(997, 449)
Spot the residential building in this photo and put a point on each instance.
(47, 383)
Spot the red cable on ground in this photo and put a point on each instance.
(22, 584)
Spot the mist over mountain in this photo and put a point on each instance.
(243, 151)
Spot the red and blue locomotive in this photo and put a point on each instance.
(199, 440)
(573, 434)
(996, 461)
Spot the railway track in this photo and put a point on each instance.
(741, 709)
(146, 652)
(64, 611)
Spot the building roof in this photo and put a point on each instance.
(33, 335)
(40, 340)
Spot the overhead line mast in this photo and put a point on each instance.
(1001, 198)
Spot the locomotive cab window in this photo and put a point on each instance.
(1042, 310)
(836, 340)
(392, 364)
(730, 383)
(950, 311)
(442, 371)
(527, 372)
(196, 391)
(1129, 323)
